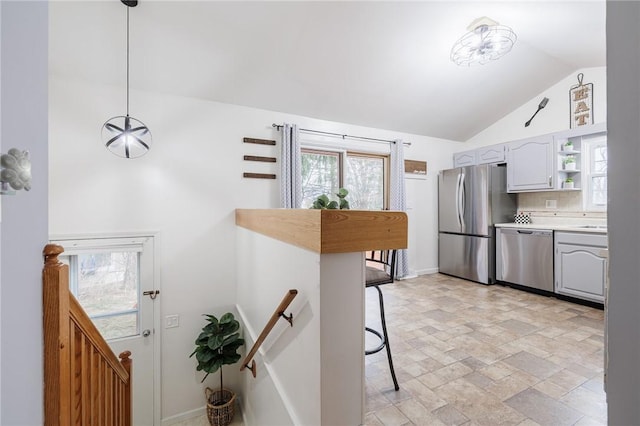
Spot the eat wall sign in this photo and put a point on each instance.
(581, 104)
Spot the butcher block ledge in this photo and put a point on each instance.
(329, 231)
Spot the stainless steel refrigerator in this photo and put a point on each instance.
(470, 201)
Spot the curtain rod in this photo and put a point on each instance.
(320, 132)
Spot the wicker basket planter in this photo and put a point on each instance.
(220, 414)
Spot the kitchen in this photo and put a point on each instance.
(488, 235)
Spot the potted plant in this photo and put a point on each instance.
(323, 202)
(570, 162)
(568, 183)
(217, 345)
(568, 146)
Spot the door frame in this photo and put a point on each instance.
(154, 237)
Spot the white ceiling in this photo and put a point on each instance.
(377, 64)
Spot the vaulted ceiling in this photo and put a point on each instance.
(377, 64)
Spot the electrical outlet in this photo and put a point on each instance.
(551, 204)
(172, 321)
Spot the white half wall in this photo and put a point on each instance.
(186, 189)
(316, 367)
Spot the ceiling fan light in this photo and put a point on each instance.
(485, 42)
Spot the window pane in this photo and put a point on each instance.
(117, 326)
(320, 175)
(600, 159)
(365, 182)
(107, 284)
(599, 190)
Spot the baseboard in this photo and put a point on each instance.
(202, 411)
(199, 412)
(427, 271)
(410, 275)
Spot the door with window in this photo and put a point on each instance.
(114, 281)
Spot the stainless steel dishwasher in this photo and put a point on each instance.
(525, 257)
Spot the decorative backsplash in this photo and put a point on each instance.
(568, 208)
(537, 201)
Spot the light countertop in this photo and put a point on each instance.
(592, 229)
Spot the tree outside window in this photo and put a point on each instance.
(364, 175)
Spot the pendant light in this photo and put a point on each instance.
(126, 136)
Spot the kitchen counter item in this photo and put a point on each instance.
(525, 257)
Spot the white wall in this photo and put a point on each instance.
(187, 188)
(23, 232)
(623, 333)
(552, 118)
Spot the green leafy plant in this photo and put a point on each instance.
(218, 344)
(569, 180)
(569, 159)
(323, 202)
(568, 146)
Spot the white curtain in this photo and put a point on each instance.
(397, 198)
(290, 168)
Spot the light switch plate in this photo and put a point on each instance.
(551, 204)
(172, 321)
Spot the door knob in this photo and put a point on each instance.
(146, 333)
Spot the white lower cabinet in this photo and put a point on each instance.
(581, 265)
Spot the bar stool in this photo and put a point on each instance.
(380, 269)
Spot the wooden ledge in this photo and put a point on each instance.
(329, 231)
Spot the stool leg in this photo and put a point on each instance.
(386, 339)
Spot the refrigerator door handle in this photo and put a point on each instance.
(458, 197)
(461, 204)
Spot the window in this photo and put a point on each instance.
(596, 184)
(105, 277)
(365, 179)
(321, 174)
(364, 175)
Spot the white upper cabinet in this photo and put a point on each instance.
(530, 164)
(542, 163)
(465, 158)
(491, 154)
(485, 155)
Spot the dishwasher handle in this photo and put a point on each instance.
(514, 231)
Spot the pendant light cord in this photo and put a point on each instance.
(128, 60)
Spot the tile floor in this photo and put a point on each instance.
(469, 354)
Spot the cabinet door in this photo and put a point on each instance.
(466, 158)
(490, 154)
(580, 271)
(530, 165)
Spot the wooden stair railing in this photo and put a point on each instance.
(279, 312)
(84, 382)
